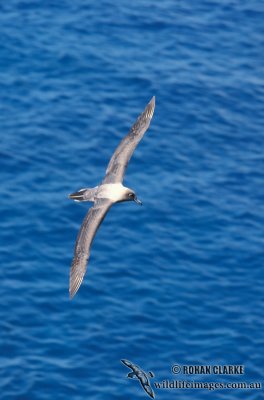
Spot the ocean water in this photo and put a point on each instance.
(177, 281)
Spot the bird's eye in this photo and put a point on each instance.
(131, 194)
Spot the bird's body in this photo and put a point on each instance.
(114, 192)
(110, 191)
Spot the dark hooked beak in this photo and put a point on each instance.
(138, 201)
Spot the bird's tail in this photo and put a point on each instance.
(83, 195)
(78, 196)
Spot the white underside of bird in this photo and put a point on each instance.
(112, 191)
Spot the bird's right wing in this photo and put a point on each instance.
(117, 166)
(148, 389)
(91, 223)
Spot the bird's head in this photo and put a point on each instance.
(130, 195)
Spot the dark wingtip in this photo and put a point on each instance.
(75, 279)
(150, 108)
(75, 283)
(152, 102)
(71, 295)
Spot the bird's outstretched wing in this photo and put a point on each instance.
(129, 364)
(117, 166)
(86, 234)
(148, 389)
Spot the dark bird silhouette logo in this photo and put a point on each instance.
(142, 376)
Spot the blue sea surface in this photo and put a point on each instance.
(177, 281)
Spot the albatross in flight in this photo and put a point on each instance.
(110, 191)
(141, 376)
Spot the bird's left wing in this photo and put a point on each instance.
(91, 223)
(117, 165)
